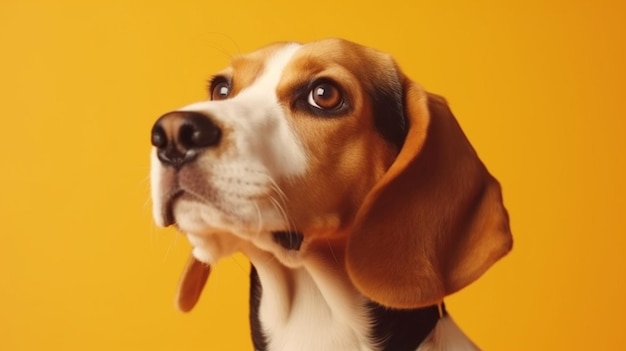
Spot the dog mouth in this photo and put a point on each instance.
(168, 208)
(289, 240)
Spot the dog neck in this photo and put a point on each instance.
(315, 307)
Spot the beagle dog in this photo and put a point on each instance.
(354, 193)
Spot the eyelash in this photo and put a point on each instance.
(215, 83)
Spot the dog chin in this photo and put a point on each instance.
(290, 259)
(208, 230)
(194, 217)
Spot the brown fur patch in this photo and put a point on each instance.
(346, 154)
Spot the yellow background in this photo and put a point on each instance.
(537, 85)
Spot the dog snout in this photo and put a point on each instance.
(179, 136)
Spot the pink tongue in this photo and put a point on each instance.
(191, 284)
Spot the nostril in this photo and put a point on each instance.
(159, 138)
(185, 136)
(208, 137)
(198, 131)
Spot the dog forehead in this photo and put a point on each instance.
(363, 62)
(248, 69)
(290, 58)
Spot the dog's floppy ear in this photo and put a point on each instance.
(435, 221)
(191, 284)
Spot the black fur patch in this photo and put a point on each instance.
(402, 330)
(388, 111)
(259, 340)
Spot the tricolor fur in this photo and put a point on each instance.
(353, 192)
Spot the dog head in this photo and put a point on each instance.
(328, 144)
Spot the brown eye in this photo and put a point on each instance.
(220, 91)
(325, 96)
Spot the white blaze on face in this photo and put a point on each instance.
(260, 128)
(259, 148)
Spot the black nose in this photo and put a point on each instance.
(180, 135)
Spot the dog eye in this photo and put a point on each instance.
(220, 91)
(325, 96)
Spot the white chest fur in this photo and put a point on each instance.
(311, 309)
(302, 311)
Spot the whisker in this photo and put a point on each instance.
(146, 179)
(274, 186)
(290, 226)
(282, 204)
(277, 206)
(260, 218)
(330, 247)
(222, 50)
(271, 258)
(145, 182)
(198, 195)
(173, 243)
(147, 203)
(234, 258)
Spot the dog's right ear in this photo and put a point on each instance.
(191, 284)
